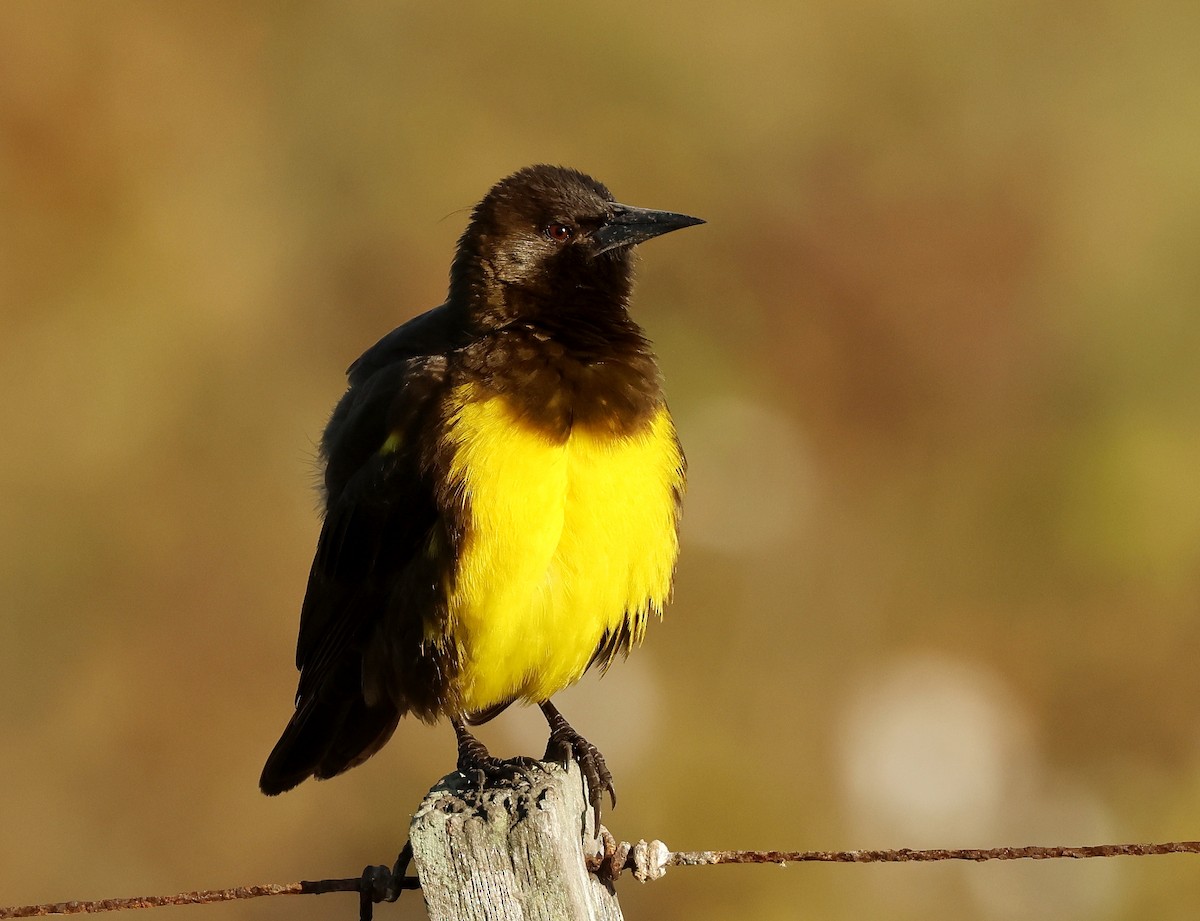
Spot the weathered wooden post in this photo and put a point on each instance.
(510, 851)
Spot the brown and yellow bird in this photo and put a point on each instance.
(502, 491)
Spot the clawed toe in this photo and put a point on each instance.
(474, 761)
(567, 745)
(506, 770)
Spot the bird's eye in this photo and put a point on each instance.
(559, 233)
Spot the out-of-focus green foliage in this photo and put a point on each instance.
(935, 359)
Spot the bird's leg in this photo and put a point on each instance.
(472, 754)
(566, 744)
(474, 759)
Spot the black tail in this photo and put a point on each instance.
(325, 738)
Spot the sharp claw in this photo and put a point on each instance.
(570, 745)
(475, 762)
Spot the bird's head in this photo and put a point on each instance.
(548, 234)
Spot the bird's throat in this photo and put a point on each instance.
(605, 380)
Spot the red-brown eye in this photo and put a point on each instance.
(559, 233)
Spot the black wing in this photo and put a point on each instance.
(371, 584)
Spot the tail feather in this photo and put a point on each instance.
(325, 738)
(363, 732)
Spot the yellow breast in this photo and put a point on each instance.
(566, 539)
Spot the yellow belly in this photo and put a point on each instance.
(566, 539)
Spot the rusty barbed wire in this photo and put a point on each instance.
(650, 860)
(646, 860)
(199, 897)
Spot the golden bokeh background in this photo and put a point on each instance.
(935, 359)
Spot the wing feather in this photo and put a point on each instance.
(381, 511)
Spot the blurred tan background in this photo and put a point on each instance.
(934, 360)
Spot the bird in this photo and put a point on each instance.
(502, 487)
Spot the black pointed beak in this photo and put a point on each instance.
(629, 226)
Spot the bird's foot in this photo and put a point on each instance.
(567, 745)
(474, 760)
